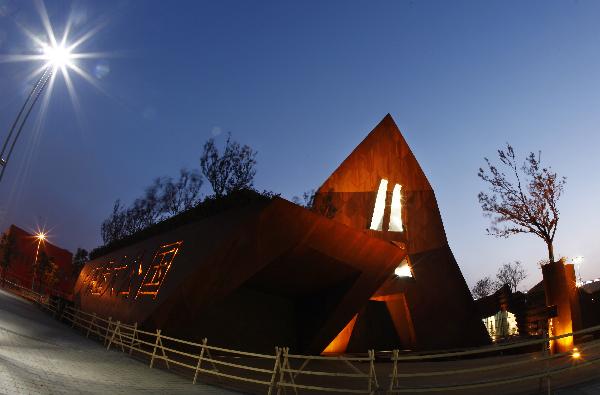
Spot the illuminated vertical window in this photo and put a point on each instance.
(396, 210)
(378, 211)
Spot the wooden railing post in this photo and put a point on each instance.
(274, 375)
(200, 359)
(373, 384)
(74, 317)
(90, 325)
(108, 326)
(155, 347)
(117, 329)
(286, 365)
(158, 343)
(394, 380)
(133, 337)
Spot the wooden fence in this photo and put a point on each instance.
(272, 372)
(281, 371)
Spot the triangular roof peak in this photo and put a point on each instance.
(383, 154)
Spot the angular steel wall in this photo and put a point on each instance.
(441, 312)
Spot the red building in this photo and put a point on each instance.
(20, 269)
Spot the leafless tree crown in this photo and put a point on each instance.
(522, 200)
(512, 274)
(233, 170)
(483, 287)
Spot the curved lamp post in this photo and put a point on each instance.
(57, 57)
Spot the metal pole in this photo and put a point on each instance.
(37, 250)
(14, 125)
(44, 81)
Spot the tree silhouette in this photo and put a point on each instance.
(524, 200)
(483, 287)
(8, 250)
(511, 274)
(231, 171)
(183, 194)
(45, 270)
(80, 258)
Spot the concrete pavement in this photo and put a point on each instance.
(39, 355)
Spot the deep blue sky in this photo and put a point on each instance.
(303, 83)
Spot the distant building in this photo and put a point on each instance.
(20, 269)
(557, 305)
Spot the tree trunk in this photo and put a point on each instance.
(550, 251)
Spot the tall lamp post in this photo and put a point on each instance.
(41, 237)
(57, 56)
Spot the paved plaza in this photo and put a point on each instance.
(39, 355)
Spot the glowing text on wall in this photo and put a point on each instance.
(129, 275)
(158, 269)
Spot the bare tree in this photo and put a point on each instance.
(323, 204)
(183, 194)
(233, 170)
(113, 228)
(483, 287)
(80, 258)
(306, 200)
(524, 200)
(511, 274)
(44, 270)
(8, 250)
(51, 275)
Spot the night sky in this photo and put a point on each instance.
(303, 83)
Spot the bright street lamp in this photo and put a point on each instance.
(58, 56)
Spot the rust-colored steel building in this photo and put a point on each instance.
(20, 269)
(368, 266)
(381, 190)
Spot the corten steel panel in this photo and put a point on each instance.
(267, 274)
(21, 265)
(560, 289)
(439, 302)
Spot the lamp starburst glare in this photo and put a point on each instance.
(58, 56)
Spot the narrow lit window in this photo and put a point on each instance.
(396, 210)
(377, 220)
